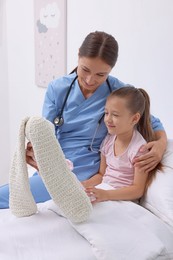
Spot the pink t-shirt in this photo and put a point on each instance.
(120, 170)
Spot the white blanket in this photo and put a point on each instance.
(114, 232)
(123, 230)
(43, 236)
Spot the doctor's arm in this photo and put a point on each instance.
(156, 148)
(155, 152)
(50, 108)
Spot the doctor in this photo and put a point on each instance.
(75, 104)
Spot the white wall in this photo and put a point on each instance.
(143, 29)
(4, 105)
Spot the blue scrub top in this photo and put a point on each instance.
(81, 118)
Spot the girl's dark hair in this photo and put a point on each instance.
(102, 45)
(138, 101)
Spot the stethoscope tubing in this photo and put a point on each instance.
(66, 97)
(58, 121)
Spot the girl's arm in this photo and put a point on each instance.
(97, 178)
(132, 192)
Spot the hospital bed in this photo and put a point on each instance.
(116, 230)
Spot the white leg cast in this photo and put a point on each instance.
(21, 200)
(63, 186)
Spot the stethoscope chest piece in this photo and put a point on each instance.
(58, 121)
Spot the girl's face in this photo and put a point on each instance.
(118, 118)
(92, 72)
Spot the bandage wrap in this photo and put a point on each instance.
(62, 185)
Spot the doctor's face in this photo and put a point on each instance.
(92, 72)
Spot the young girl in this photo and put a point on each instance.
(127, 117)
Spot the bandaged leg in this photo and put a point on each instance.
(21, 201)
(63, 186)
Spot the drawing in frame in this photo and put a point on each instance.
(50, 40)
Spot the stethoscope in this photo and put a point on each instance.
(59, 120)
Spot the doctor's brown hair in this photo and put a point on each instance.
(138, 101)
(101, 45)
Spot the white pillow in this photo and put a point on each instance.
(159, 196)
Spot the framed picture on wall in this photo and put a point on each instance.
(50, 40)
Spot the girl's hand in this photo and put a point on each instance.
(30, 159)
(96, 195)
(150, 159)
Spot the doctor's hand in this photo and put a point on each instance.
(153, 152)
(30, 159)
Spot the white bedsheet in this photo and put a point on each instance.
(48, 235)
(125, 230)
(44, 236)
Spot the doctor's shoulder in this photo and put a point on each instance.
(115, 82)
(61, 84)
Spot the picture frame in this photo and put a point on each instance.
(50, 40)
